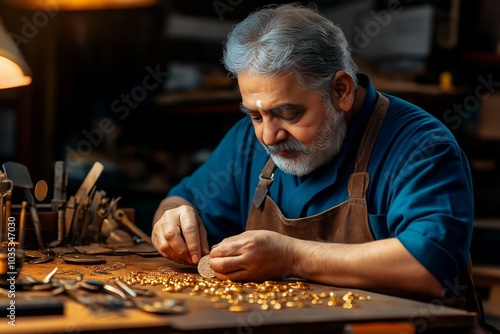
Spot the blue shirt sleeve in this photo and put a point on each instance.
(431, 205)
(220, 188)
(435, 210)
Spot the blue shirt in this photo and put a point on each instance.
(420, 185)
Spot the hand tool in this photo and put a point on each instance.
(152, 305)
(22, 219)
(49, 276)
(73, 202)
(109, 224)
(5, 188)
(96, 217)
(83, 214)
(134, 291)
(95, 285)
(78, 291)
(8, 203)
(125, 288)
(120, 216)
(59, 200)
(20, 177)
(69, 213)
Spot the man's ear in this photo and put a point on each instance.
(342, 91)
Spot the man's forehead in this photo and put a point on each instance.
(276, 109)
(260, 91)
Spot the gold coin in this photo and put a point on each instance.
(204, 268)
(41, 190)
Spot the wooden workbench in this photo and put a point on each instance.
(202, 316)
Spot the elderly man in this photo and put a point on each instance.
(326, 179)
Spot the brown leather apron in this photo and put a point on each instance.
(346, 222)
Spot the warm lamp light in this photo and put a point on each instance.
(14, 70)
(81, 4)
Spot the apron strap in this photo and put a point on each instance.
(266, 177)
(360, 179)
(371, 133)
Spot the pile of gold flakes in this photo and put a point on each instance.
(238, 296)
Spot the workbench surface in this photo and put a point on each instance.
(208, 314)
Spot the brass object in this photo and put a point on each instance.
(41, 190)
(22, 222)
(204, 268)
(5, 189)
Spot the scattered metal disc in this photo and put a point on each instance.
(83, 259)
(41, 189)
(204, 268)
(33, 254)
(43, 259)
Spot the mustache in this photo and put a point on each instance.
(288, 145)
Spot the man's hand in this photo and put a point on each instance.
(253, 255)
(178, 233)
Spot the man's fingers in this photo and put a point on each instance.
(163, 247)
(225, 265)
(231, 246)
(205, 248)
(191, 226)
(238, 275)
(180, 235)
(175, 241)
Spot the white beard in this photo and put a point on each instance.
(324, 147)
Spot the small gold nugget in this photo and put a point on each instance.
(204, 268)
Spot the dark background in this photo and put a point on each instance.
(90, 66)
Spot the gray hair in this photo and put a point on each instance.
(289, 39)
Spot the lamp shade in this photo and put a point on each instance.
(14, 70)
(56, 5)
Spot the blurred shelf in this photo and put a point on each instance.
(483, 59)
(487, 224)
(400, 86)
(220, 101)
